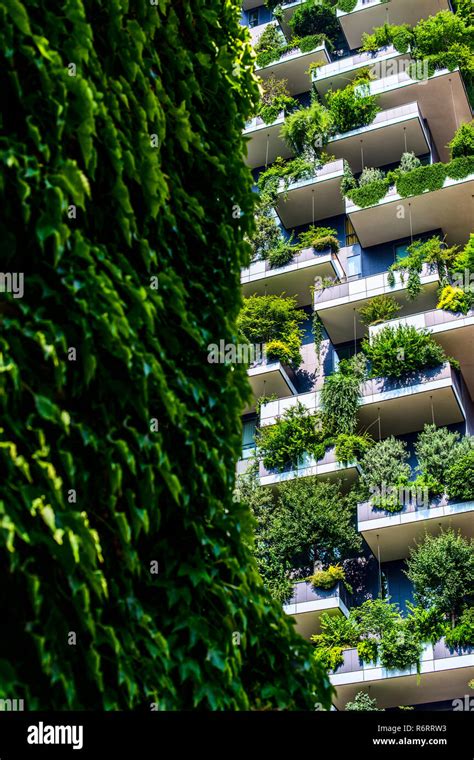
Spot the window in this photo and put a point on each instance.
(253, 18)
(354, 266)
(401, 251)
(248, 437)
(351, 237)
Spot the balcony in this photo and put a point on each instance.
(309, 200)
(269, 377)
(295, 278)
(338, 305)
(328, 468)
(369, 14)
(293, 66)
(404, 406)
(444, 675)
(338, 74)
(308, 604)
(393, 217)
(455, 332)
(446, 87)
(264, 143)
(394, 534)
(384, 140)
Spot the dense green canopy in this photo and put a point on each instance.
(127, 574)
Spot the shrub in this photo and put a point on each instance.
(266, 234)
(408, 162)
(437, 450)
(398, 351)
(384, 466)
(337, 631)
(275, 98)
(370, 175)
(433, 252)
(149, 446)
(375, 617)
(297, 432)
(464, 260)
(347, 6)
(460, 478)
(400, 648)
(351, 107)
(361, 702)
(266, 319)
(327, 579)
(428, 624)
(340, 396)
(370, 194)
(319, 238)
(462, 143)
(350, 448)
(312, 18)
(417, 181)
(462, 635)
(307, 130)
(368, 650)
(441, 569)
(270, 46)
(379, 309)
(348, 181)
(454, 299)
(281, 254)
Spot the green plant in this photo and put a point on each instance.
(311, 522)
(434, 252)
(368, 650)
(379, 309)
(262, 400)
(319, 238)
(408, 162)
(307, 130)
(312, 18)
(460, 477)
(400, 647)
(282, 253)
(462, 635)
(275, 97)
(369, 175)
(297, 432)
(348, 181)
(340, 396)
(361, 702)
(266, 234)
(110, 447)
(441, 569)
(462, 143)
(398, 351)
(327, 579)
(369, 194)
(454, 299)
(287, 172)
(270, 45)
(439, 449)
(337, 631)
(427, 623)
(385, 469)
(274, 321)
(347, 6)
(351, 107)
(318, 332)
(375, 617)
(350, 447)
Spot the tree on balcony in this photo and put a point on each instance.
(275, 322)
(441, 569)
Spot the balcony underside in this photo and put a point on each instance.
(294, 68)
(269, 379)
(383, 142)
(446, 88)
(264, 144)
(338, 320)
(366, 17)
(445, 681)
(294, 279)
(408, 408)
(458, 341)
(311, 200)
(307, 615)
(451, 208)
(394, 535)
